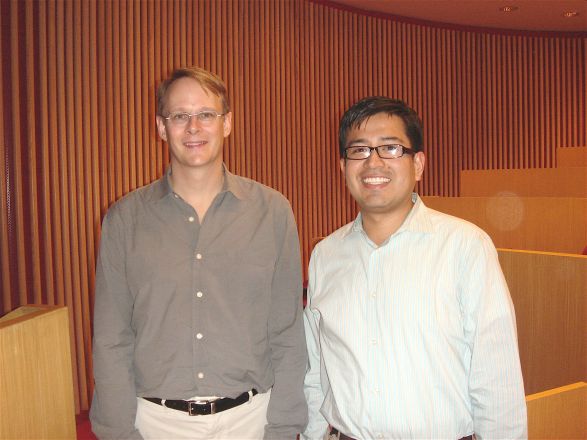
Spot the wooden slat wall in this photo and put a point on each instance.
(77, 129)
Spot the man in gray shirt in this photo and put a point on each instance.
(197, 321)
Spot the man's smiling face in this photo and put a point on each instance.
(382, 186)
(195, 145)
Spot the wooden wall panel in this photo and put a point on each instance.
(548, 292)
(552, 224)
(571, 157)
(558, 413)
(35, 345)
(531, 182)
(77, 131)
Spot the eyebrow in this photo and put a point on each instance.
(182, 109)
(363, 141)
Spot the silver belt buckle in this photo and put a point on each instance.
(190, 408)
(201, 402)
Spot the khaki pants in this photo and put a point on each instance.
(246, 421)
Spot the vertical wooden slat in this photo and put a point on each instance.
(102, 141)
(17, 148)
(117, 85)
(53, 148)
(91, 165)
(130, 67)
(31, 159)
(155, 67)
(44, 146)
(124, 106)
(510, 90)
(5, 272)
(73, 218)
(76, 108)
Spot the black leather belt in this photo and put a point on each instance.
(337, 434)
(204, 407)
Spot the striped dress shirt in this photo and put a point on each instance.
(415, 338)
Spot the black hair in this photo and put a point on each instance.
(373, 105)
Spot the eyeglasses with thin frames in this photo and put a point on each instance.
(390, 151)
(181, 119)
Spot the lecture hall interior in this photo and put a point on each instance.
(501, 89)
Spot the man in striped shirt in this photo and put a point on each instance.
(410, 326)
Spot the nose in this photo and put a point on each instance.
(193, 125)
(374, 161)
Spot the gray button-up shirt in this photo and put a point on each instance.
(187, 309)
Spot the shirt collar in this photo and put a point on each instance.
(232, 184)
(418, 220)
(161, 188)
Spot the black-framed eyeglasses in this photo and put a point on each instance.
(205, 117)
(390, 151)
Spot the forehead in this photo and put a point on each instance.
(379, 126)
(187, 92)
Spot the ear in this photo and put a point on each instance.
(419, 162)
(161, 128)
(227, 124)
(342, 165)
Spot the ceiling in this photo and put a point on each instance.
(530, 15)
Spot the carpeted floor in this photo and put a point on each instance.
(83, 427)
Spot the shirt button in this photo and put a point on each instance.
(379, 435)
(198, 256)
(372, 294)
(199, 336)
(176, 196)
(373, 341)
(200, 375)
(191, 219)
(199, 294)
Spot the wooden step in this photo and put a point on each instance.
(571, 157)
(535, 182)
(554, 224)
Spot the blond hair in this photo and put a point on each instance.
(208, 80)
